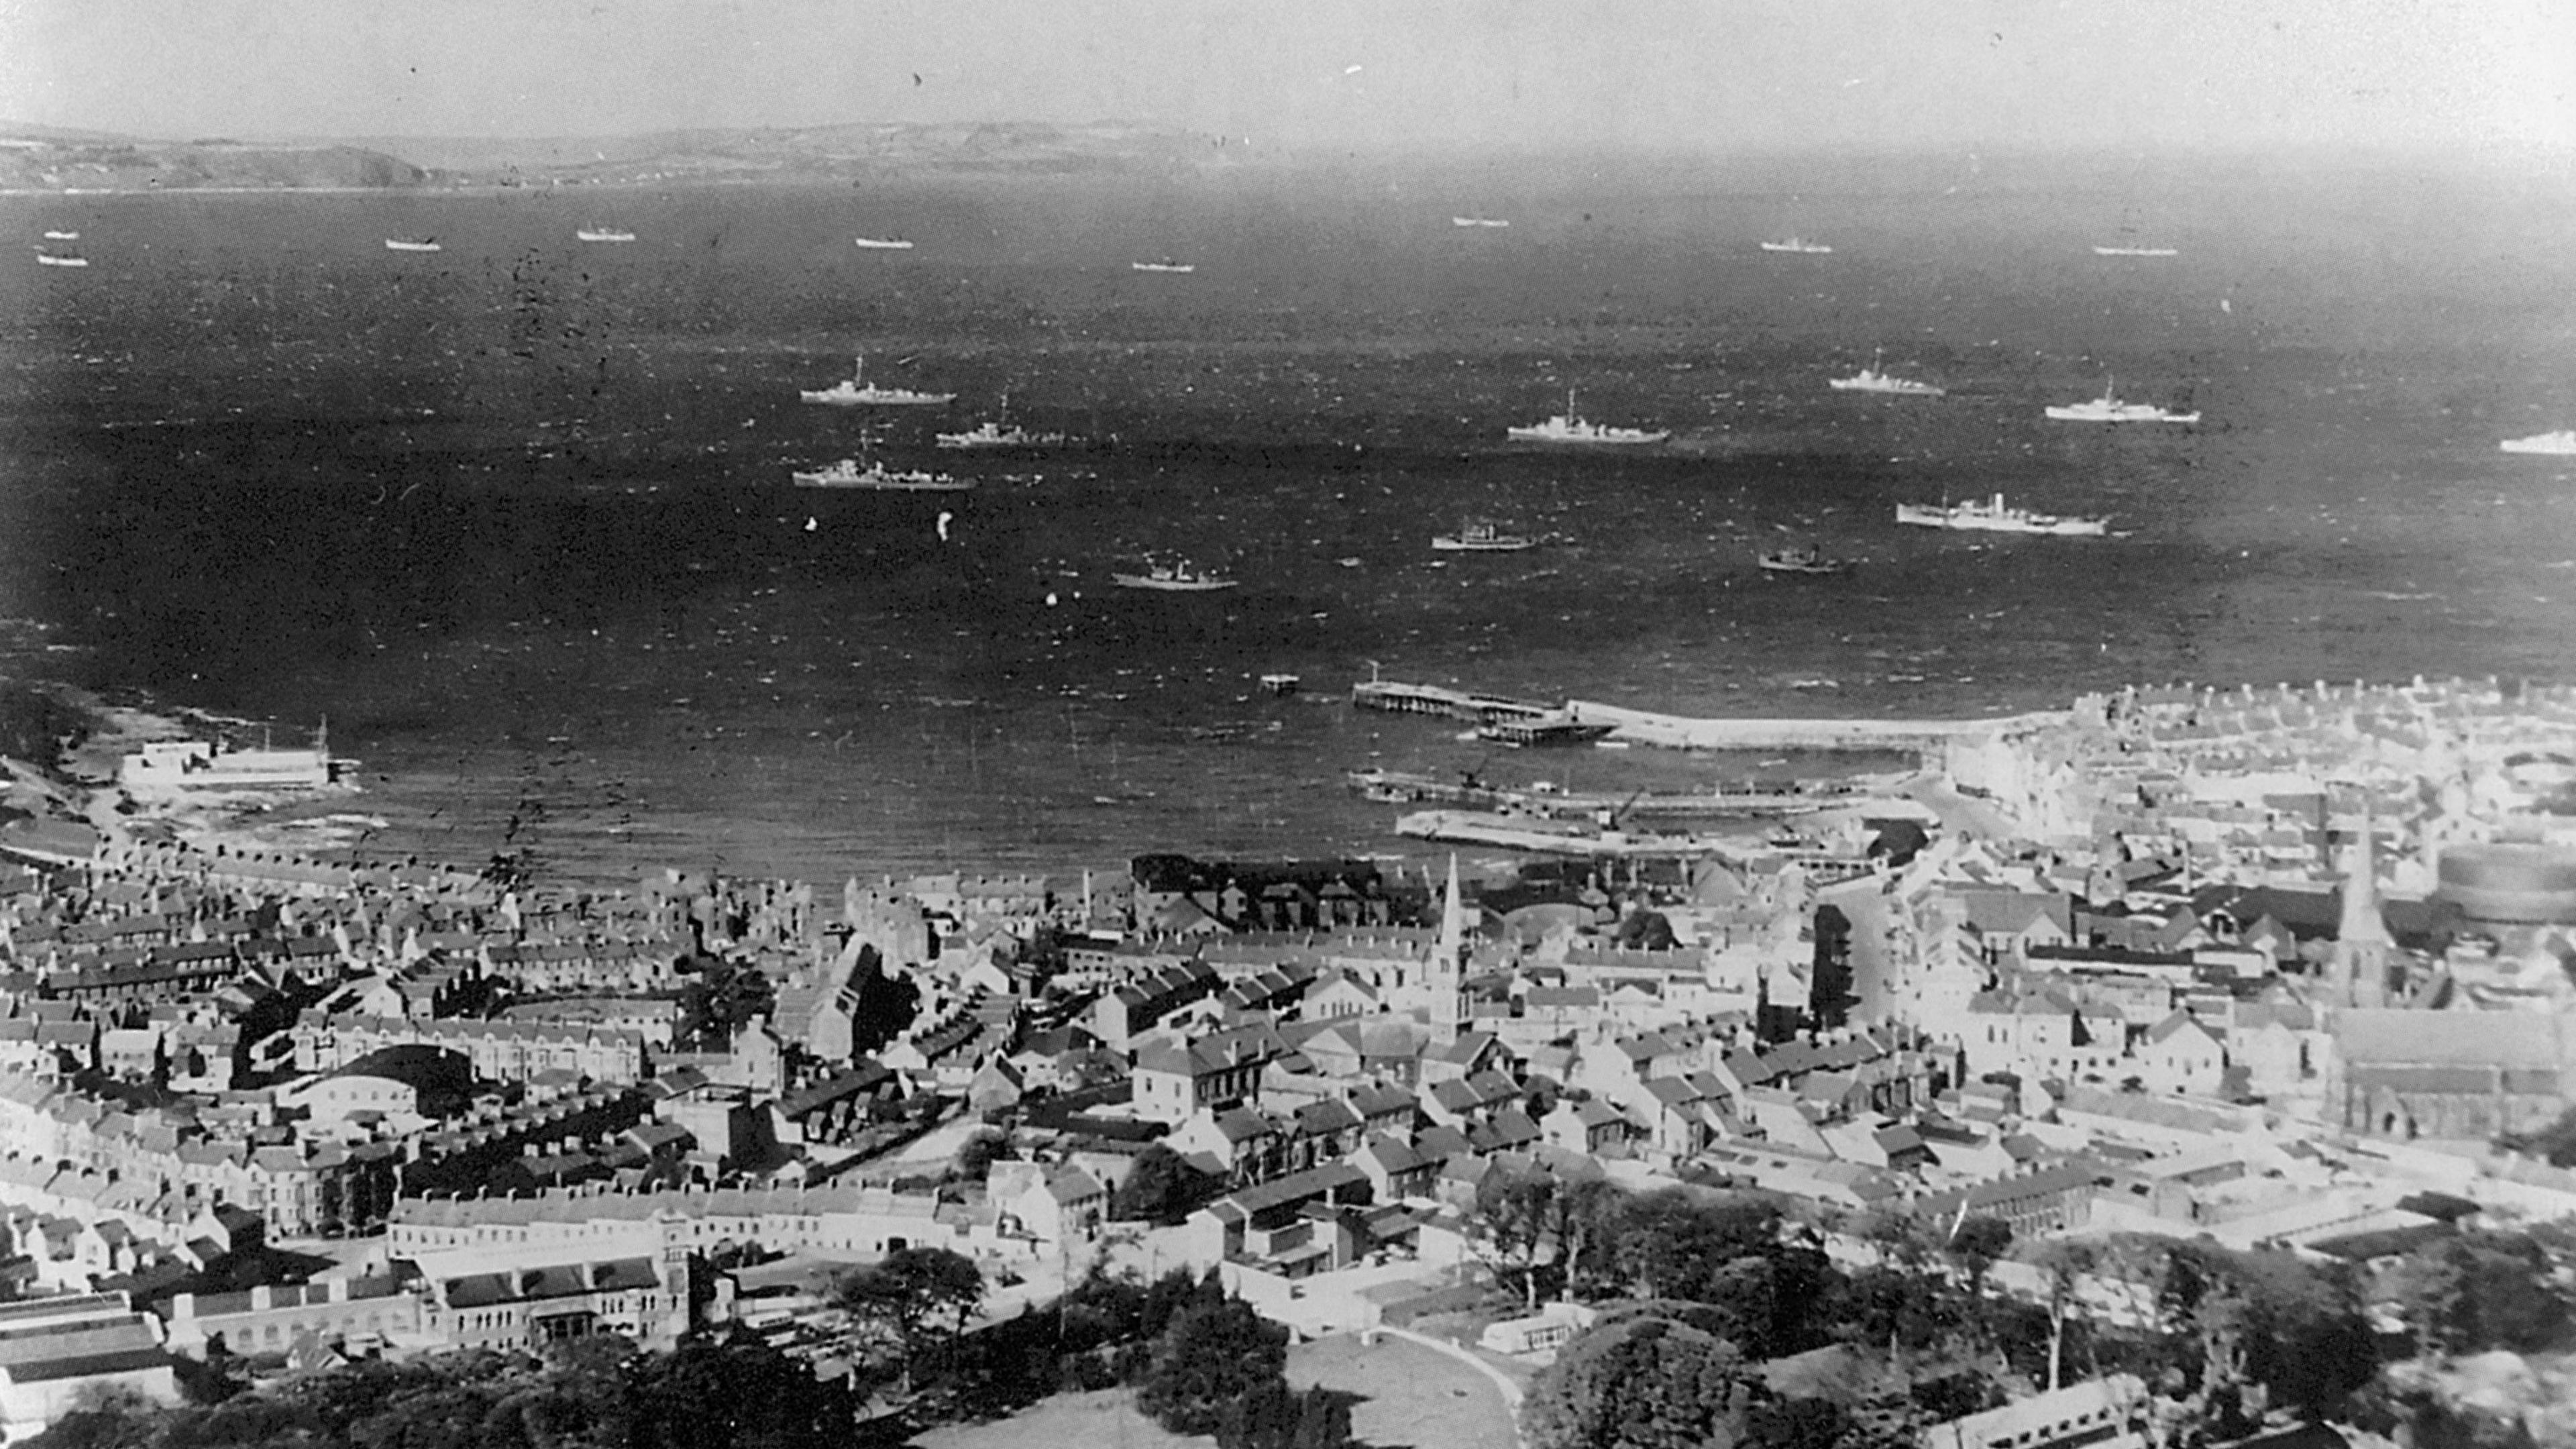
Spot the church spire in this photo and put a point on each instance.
(2362, 943)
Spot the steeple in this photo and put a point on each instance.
(2362, 944)
(1453, 923)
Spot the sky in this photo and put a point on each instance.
(1416, 75)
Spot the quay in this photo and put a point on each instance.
(1930, 738)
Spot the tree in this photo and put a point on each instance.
(1974, 1245)
(905, 1291)
(1515, 1210)
(1159, 1187)
(1645, 1382)
(977, 1154)
(1211, 1355)
(2067, 1263)
(2479, 1290)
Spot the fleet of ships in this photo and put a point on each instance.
(1569, 428)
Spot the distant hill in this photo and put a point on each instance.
(36, 157)
(818, 153)
(39, 159)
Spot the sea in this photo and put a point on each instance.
(515, 517)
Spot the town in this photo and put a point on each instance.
(2179, 1067)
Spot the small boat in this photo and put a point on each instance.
(1808, 560)
(58, 259)
(1794, 243)
(1481, 537)
(1165, 265)
(849, 473)
(1281, 684)
(603, 234)
(1870, 379)
(1569, 427)
(2109, 409)
(883, 244)
(1477, 221)
(855, 389)
(1176, 576)
(2135, 252)
(1994, 517)
(62, 236)
(400, 244)
(2558, 444)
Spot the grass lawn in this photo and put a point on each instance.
(1409, 1397)
(1104, 1419)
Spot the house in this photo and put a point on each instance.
(1055, 1205)
(2106, 1410)
(1590, 1126)
(57, 1354)
(1395, 1169)
(1174, 1080)
(2178, 1054)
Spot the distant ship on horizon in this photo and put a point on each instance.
(1993, 517)
(2135, 252)
(991, 434)
(2109, 409)
(1870, 379)
(1477, 221)
(855, 389)
(849, 473)
(401, 244)
(1477, 536)
(603, 234)
(1175, 576)
(1796, 243)
(1165, 265)
(883, 244)
(2558, 444)
(1570, 427)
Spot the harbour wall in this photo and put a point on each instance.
(1931, 738)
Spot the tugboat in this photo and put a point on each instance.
(2558, 444)
(1476, 536)
(1870, 379)
(1793, 243)
(1808, 560)
(855, 389)
(1994, 517)
(1570, 427)
(1175, 576)
(2109, 409)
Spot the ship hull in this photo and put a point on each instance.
(855, 399)
(1482, 545)
(2554, 445)
(1577, 440)
(2037, 524)
(2084, 414)
(1173, 586)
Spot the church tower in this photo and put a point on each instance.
(1446, 977)
(2357, 971)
